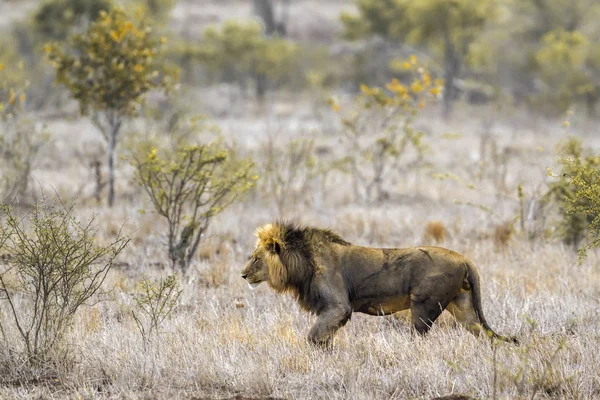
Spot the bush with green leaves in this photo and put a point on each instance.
(54, 266)
(378, 130)
(189, 186)
(108, 69)
(577, 193)
(155, 301)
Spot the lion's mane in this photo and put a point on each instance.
(291, 251)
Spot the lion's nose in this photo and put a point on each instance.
(244, 276)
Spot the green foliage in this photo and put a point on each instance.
(109, 69)
(577, 193)
(155, 301)
(57, 19)
(188, 187)
(379, 130)
(568, 65)
(112, 65)
(240, 50)
(55, 266)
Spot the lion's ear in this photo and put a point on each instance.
(273, 246)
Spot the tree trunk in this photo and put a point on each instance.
(590, 102)
(451, 69)
(264, 10)
(115, 126)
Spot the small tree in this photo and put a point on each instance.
(55, 266)
(449, 26)
(155, 301)
(189, 187)
(379, 130)
(109, 69)
(576, 192)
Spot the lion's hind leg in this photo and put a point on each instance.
(423, 313)
(461, 307)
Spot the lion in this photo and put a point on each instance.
(333, 278)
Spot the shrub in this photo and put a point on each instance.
(378, 131)
(108, 70)
(155, 301)
(578, 194)
(574, 193)
(287, 171)
(188, 187)
(55, 266)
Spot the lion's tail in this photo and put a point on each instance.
(473, 278)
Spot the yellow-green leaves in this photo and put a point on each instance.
(188, 187)
(577, 193)
(379, 129)
(113, 64)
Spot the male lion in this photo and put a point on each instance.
(332, 278)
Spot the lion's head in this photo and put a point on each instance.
(284, 254)
(264, 265)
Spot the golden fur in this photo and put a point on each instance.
(333, 278)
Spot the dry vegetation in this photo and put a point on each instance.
(222, 339)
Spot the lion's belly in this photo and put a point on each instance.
(382, 306)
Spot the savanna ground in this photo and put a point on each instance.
(224, 339)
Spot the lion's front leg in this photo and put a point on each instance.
(328, 322)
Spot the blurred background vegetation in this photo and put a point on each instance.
(544, 55)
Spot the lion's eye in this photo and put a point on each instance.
(255, 261)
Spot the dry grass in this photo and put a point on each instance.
(502, 234)
(225, 340)
(435, 231)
